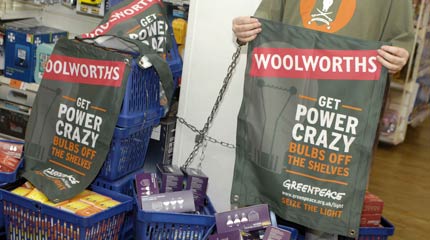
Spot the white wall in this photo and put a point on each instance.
(209, 47)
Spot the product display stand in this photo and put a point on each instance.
(421, 109)
(404, 87)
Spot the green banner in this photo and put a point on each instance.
(307, 125)
(145, 22)
(73, 117)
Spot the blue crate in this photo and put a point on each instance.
(374, 233)
(174, 60)
(9, 177)
(294, 232)
(28, 219)
(127, 233)
(142, 96)
(178, 226)
(124, 185)
(127, 151)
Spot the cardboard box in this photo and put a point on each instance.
(233, 235)
(171, 178)
(274, 233)
(196, 181)
(11, 149)
(372, 204)
(21, 41)
(43, 52)
(370, 220)
(236, 235)
(180, 202)
(146, 184)
(163, 140)
(248, 219)
(167, 138)
(92, 7)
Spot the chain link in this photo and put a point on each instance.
(202, 154)
(206, 137)
(224, 144)
(202, 138)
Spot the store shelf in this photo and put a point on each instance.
(13, 9)
(402, 101)
(62, 17)
(57, 15)
(404, 91)
(21, 85)
(399, 84)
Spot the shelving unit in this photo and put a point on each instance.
(403, 89)
(56, 15)
(13, 9)
(421, 109)
(62, 17)
(19, 84)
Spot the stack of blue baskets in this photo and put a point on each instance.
(140, 112)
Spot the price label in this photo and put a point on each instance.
(16, 84)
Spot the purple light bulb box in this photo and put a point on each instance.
(248, 219)
(179, 202)
(171, 178)
(146, 184)
(274, 233)
(233, 235)
(196, 180)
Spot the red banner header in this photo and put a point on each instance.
(86, 71)
(318, 64)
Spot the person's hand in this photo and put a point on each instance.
(246, 28)
(393, 58)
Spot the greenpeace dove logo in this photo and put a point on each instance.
(326, 15)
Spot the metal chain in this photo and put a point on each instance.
(202, 137)
(202, 155)
(224, 144)
(207, 137)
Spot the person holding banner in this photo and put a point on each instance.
(383, 21)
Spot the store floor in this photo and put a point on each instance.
(401, 177)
